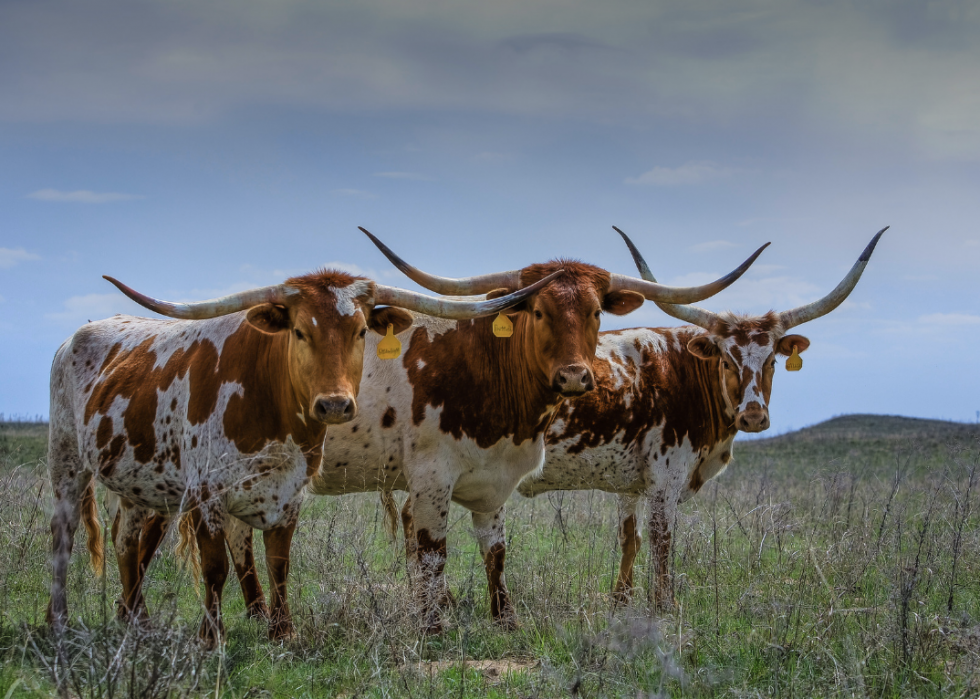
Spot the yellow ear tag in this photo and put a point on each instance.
(390, 346)
(502, 326)
(795, 361)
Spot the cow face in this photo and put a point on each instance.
(324, 327)
(745, 351)
(561, 322)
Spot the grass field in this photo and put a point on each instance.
(840, 560)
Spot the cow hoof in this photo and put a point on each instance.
(507, 620)
(210, 634)
(138, 616)
(448, 600)
(257, 611)
(433, 629)
(282, 632)
(621, 598)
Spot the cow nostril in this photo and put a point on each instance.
(334, 409)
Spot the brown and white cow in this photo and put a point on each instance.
(462, 415)
(667, 406)
(221, 415)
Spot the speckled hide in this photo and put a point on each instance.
(461, 417)
(214, 418)
(660, 424)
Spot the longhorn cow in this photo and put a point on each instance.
(462, 416)
(666, 409)
(221, 414)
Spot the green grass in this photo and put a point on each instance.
(820, 564)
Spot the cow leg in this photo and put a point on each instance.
(489, 529)
(430, 515)
(663, 512)
(411, 551)
(408, 527)
(277, 543)
(69, 482)
(239, 538)
(64, 522)
(127, 527)
(214, 570)
(629, 542)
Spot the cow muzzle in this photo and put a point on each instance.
(754, 418)
(573, 380)
(334, 410)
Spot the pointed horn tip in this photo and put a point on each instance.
(866, 255)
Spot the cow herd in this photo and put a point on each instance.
(226, 416)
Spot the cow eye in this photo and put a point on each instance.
(299, 335)
(539, 315)
(362, 333)
(597, 313)
(725, 364)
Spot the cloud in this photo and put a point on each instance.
(950, 319)
(10, 257)
(713, 245)
(972, 243)
(754, 295)
(692, 172)
(567, 42)
(81, 309)
(404, 176)
(353, 193)
(81, 196)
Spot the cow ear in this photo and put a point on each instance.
(268, 318)
(389, 315)
(702, 347)
(497, 293)
(788, 342)
(619, 303)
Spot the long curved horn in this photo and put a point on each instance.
(674, 294)
(802, 314)
(212, 308)
(452, 308)
(464, 286)
(689, 314)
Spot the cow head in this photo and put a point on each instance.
(745, 348)
(559, 325)
(321, 320)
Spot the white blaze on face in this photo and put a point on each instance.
(347, 296)
(751, 370)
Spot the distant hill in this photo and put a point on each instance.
(877, 427)
(865, 442)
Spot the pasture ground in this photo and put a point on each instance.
(840, 560)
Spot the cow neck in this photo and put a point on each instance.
(268, 408)
(713, 399)
(487, 387)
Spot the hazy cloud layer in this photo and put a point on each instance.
(81, 309)
(906, 68)
(80, 196)
(688, 173)
(10, 257)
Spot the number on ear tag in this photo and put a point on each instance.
(795, 361)
(502, 326)
(390, 346)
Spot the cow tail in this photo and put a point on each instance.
(187, 546)
(391, 513)
(93, 528)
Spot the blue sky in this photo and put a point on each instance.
(194, 148)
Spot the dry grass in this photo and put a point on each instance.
(841, 563)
